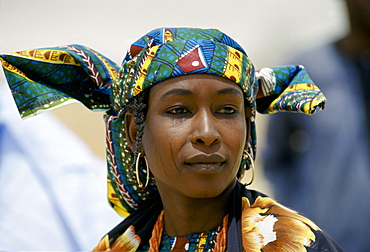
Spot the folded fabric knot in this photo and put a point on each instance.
(287, 89)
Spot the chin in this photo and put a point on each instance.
(209, 190)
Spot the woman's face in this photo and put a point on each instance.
(195, 134)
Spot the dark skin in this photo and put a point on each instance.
(195, 134)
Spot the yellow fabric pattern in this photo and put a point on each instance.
(128, 242)
(270, 226)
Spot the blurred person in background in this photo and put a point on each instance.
(53, 193)
(326, 162)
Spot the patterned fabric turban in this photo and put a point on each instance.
(42, 79)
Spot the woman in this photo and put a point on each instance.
(180, 134)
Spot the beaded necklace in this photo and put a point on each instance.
(155, 240)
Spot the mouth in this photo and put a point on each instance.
(206, 167)
(206, 163)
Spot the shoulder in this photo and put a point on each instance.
(268, 225)
(128, 241)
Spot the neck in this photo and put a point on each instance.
(184, 215)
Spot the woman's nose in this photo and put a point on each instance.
(204, 129)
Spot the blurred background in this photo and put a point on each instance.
(268, 30)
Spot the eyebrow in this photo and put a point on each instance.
(176, 91)
(230, 91)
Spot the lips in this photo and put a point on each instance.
(206, 163)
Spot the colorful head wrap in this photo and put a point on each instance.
(45, 78)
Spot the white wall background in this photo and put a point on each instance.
(268, 30)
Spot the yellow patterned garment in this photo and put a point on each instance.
(264, 225)
(270, 226)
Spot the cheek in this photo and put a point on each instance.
(235, 139)
(161, 145)
(160, 137)
(236, 132)
(163, 132)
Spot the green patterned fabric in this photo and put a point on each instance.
(41, 79)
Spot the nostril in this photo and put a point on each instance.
(200, 141)
(205, 141)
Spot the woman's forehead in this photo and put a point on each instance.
(188, 84)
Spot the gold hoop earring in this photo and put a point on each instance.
(137, 171)
(246, 156)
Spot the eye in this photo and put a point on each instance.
(226, 110)
(177, 111)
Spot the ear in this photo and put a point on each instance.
(131, 131)
(248, 116)
(249, 131)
